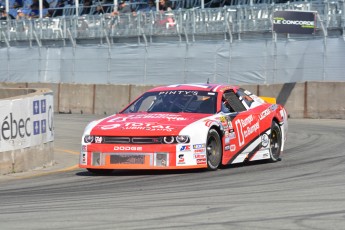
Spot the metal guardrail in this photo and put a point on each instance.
(227, 20)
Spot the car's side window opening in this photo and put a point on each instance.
(231, 102)
(245, 97)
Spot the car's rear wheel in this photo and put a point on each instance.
(275, 142)
(100, 171)
(213, 150)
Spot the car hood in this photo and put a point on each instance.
(144, 124)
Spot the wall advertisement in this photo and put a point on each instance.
(294, 22)
(26, 122)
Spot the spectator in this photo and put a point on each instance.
(165, 5)
(106, 4)
(99, 10)
(35, 12)
(21, 15)
(150, 6)
(123, 8)
(60, 5)
(86, 7)
(4, 15)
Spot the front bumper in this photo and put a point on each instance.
(143, 157)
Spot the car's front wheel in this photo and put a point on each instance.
(275, 142)
(213, 150)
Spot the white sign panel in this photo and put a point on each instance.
(26, 122)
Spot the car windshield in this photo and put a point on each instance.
(175, 102)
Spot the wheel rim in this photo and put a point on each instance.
(275, 144)
(213, 151)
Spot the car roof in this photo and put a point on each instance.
(196, 87)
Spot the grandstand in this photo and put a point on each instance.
(220, 26)
(230, 18)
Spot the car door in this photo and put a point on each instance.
(242, 140)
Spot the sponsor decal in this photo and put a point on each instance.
(230, 124)
(298, 22)
(224, 121)
(83, 158)
(146, 126)
(26, 122)
(84, 148)
(265, 140)
(232, 148)
(227, 147)
(128, 118)
(112, 126)
(83, 155)
(247, 121)
(267, 111)
(128, 148)
(199, 150)
(251, 129)
(244, 130)
(208, 122)
(11, 128)
(201, 161)
(198, 146)
(185, 148)
(227, 140)
(264, 113)
(181, 159)
(199, 156)
(179, 92)
(98, 140)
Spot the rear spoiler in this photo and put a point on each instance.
(270, 100)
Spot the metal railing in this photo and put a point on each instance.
(228, 20)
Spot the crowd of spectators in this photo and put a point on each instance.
(51, 8)
(22, 9)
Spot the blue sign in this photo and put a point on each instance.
(36, 107)
(36, 127)
(43, 126)
(43, 106)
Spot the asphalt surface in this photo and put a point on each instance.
(306, 190)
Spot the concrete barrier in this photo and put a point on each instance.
(26, 129)
(290, 95)
(325, 100)
(302, 100)
(76, 98)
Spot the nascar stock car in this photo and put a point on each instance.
(186, 126)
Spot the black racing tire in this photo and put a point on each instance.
(275, 142)
(214, 151)
(100, 171)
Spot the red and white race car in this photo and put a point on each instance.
(186, 126)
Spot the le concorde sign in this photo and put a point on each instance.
(294, 22)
